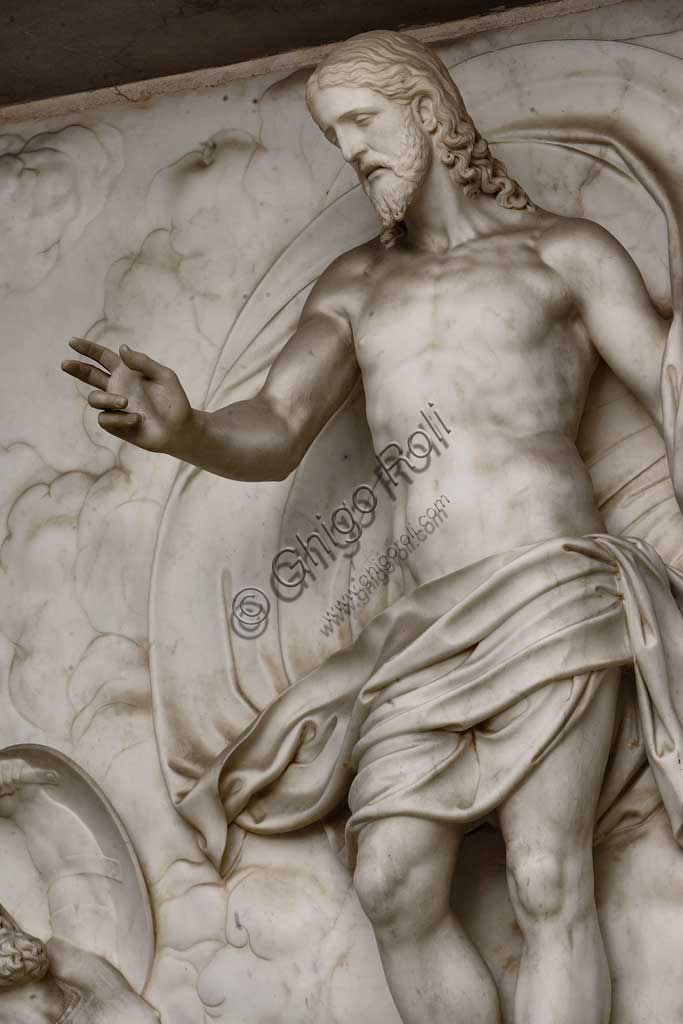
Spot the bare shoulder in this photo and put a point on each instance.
(599, 273)
(358, 260)
(340, 288)
(581, 251)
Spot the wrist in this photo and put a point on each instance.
(187, 441)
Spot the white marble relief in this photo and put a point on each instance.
(69, 868)
(52, 185)
(207, 199)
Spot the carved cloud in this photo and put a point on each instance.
(51, 186)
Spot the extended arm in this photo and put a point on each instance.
(266, 437)
(262, 438)
(643, 348)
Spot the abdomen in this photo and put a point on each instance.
(495, 494)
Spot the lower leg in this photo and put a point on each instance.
(563, 974)
(403, 880)
(548, 829)
(438, 977)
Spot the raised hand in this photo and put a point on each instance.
(141, 401)
(15, 773)
(21, 784)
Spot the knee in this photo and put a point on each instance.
(393, 894)
(546, 885)
(382, 894)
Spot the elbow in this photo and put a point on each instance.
(261, 471)
(288, 453)
(283, 462)
(281, 469)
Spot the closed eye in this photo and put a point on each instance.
(331, 137)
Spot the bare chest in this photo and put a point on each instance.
(468, 307)
(495, 337)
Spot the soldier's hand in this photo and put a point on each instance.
(15, 776)
(140, 400)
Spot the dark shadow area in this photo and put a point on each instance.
(56, 47)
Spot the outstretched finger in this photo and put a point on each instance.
(15, 772)
(100, 353)
(120, 424)
(105, 400)
(86, 372)
(38, 776)
(144, 364)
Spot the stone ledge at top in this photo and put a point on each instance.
(183, 53)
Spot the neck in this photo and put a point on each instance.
(441, 216)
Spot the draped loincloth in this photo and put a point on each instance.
(449, 698)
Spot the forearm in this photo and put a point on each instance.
(244, 441)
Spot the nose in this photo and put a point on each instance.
(351, 144)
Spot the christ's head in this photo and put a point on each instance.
(392, 108)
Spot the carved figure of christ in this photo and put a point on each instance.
(498, 313)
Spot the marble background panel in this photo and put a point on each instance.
(152, 223)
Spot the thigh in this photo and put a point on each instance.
(556, 803)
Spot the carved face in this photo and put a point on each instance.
(381, 139)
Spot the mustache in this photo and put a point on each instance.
(364, 168)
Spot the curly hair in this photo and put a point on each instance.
(23, 958)
(401, 68)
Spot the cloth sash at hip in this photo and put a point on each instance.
(448, 699)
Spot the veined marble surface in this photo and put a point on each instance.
(153, 224)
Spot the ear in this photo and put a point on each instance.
(423, 109)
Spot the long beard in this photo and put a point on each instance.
(392, 193)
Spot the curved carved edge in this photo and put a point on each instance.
(81, 795)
